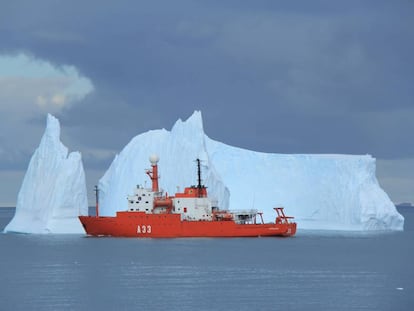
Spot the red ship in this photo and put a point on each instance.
(153, 214)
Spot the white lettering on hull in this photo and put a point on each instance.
(144, 229)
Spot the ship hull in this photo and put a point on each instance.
(142, 225)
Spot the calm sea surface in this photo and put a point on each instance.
(311, 271)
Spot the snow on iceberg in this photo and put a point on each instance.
(53, 193)
(336, 192)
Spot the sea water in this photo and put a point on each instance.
(311, 271)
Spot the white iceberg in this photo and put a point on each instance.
(177, 150)
(53, 193)
(336, 192)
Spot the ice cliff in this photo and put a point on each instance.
(337, 192)
(53, 192)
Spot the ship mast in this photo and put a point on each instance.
(199, 185)
(153, 174)
(97, 201)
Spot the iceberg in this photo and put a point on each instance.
(53, 193)
(178, 149)
(333, 192)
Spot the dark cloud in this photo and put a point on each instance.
(290, 77)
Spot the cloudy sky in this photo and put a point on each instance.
(273, 76)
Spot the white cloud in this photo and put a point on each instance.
(29, 87)
(52, 102)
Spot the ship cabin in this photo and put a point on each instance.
(141, 201)
(192, 204)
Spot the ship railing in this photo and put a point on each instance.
(244, 211)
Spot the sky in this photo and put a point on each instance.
(271, 76)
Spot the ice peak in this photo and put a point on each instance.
(194, 122)
(51, 139)
(196, 119)
(52, 126)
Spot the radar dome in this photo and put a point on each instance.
(154, 159)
